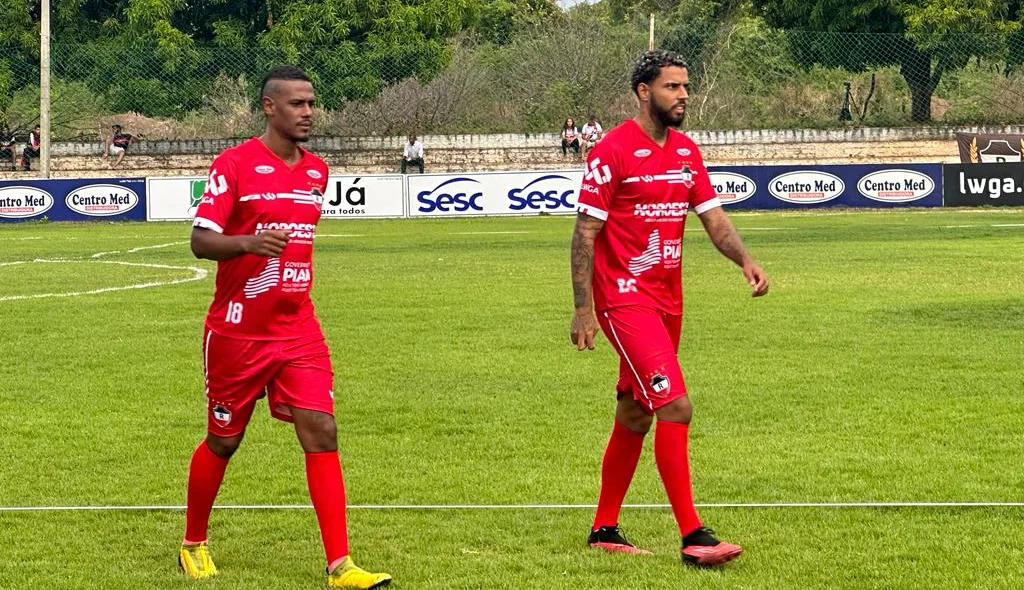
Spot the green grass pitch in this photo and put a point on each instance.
(884, 366)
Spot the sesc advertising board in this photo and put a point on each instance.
(494, 193)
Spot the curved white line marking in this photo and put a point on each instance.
(198, 274)
(167, 245)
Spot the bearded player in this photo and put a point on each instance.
(640, 184)
(258, 219)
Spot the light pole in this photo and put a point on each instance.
(44, 89)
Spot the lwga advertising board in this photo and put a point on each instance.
(73, 200)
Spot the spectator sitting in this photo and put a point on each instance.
(32, 149)
(116, 145)
(591, 134)
(8, 149)
(413, 154)
(570, 138)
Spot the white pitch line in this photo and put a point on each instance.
(21, 239)
(139, 249)
(957, 226)
(487, 233)
(766, 228)
(340, 235)
(1008, 225)
(524, 506)
(198, 275)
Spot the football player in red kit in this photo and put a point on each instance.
(640, 183)
(258, 220)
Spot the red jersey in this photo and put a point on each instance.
(643, 192)
(250, 190)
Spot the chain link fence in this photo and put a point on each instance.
(744, 76)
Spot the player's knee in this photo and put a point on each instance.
(318, 433)
(678, 410)
(631, 415)
(223, 447)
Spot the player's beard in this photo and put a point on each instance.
(668, 117)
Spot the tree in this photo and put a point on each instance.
(925, 38)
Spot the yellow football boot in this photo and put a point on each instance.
(349, 575)
(196, 562)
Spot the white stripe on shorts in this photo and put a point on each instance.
(622, 351)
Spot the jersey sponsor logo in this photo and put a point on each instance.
(315, 174)
(454, 198)
(264, 169)
(649, 258)
(296, 277)
(19, 202)
(598, 173)
(806, 187)
(672, 252)
(102, 200)
(642, 153)
(896, 186)
(683, 152)
(546, 193)
(660, 383)
(216, 184)
(268, 278)
(731, 187)
(305, 231)
(673, 210)
(587, 188)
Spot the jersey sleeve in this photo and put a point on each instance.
(220, 196)
(601, 180)
(702, 196)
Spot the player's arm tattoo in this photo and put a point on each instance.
(582, 259)
(723, 235)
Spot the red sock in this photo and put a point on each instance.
(620, 459)
(674, 466)
(205, 472)
(327, 491)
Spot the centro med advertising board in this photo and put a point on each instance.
(73, 200)
(851, 185)
(493, 193)
(347, 197)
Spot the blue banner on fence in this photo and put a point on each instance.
(805, 186)
(80, 199)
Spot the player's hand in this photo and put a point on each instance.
(269, 243)
(756, 278)
(583, 329)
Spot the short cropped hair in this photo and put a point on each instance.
(282, 73)
(650, 64)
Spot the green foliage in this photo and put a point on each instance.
(926, 38)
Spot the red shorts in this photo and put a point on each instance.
(291, 373)
(647, 341)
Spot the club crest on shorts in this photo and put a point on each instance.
(221, 414)
(660, 383)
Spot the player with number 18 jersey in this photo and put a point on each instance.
(262, 315)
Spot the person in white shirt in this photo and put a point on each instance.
(590, 135)
(570, 138)
(413, 154)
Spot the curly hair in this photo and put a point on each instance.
(650, 63)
